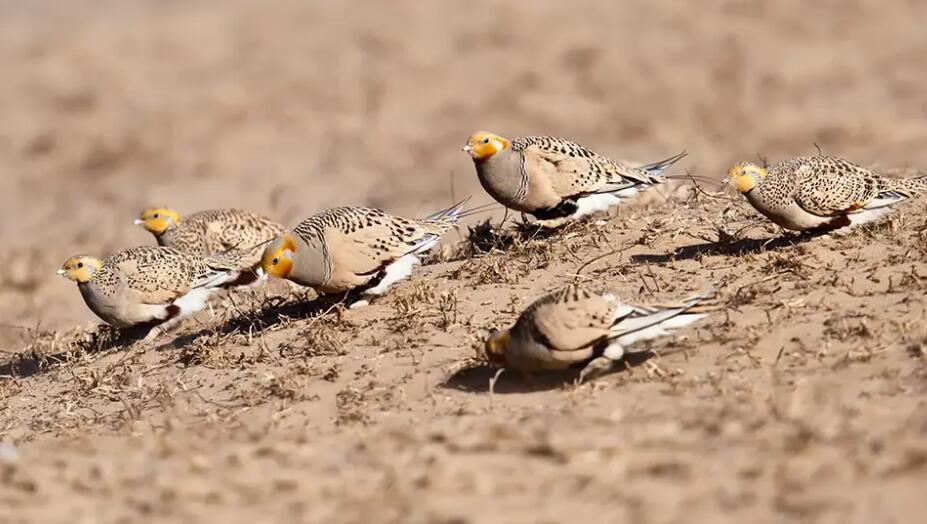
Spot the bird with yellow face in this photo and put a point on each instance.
(158, 220)
(555, 180)
(80, 268)
(821, 193)
(577, 327)
(216, 232)
(355, 249)
(147, 286)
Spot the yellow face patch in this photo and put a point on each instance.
(277, 260)
(745, 176)
(483, 144)
(157, 220)
(80, 268)
(495, 347)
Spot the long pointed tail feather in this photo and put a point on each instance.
(441, 221)
(655, 321)
(219, 278)
(645, 176)
(452, 212)
(657, 168)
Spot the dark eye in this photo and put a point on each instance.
(156, 215)
(275, 261)
(80, 265)
(486, 140)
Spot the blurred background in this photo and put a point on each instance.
(288, 107)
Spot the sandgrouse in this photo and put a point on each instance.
(355, 249)
(148, 285)
(576, 327)
(556, 180)
(821, 193)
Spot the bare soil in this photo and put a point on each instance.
(803, 400)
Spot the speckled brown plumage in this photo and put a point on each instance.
(348, 248)
(159, 274)
(152, 284)
(393, 235)
(557, 180)
(589, 171)
(577, 325)
(827, 192)
(218, 231)
(570, 320)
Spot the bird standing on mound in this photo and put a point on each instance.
(556, 180)
(214, 232)
(575, 327)
(821, 193)
(147, 285)
(355, 249)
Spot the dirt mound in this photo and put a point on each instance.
(803, 398)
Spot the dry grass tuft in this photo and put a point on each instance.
(324, 337)
(295, 383)
(351, 407)
(485, 237)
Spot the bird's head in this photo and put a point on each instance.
(746, 175)
(278, 256)
(157, 220)
(483, 144)
(80, 268)
(496, 346)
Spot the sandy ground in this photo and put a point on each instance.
(805, 399)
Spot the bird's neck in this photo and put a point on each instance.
(502, 176)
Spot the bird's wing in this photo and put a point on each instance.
(570, 319)
(363, 241)
(831, 186)
(573, 170)
(156, 275)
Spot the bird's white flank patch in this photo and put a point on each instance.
(864, 217)
(193, 301)
(595, 203)
(395, 272)
(672, 319)
(614, 351)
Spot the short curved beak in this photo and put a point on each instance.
(60, 272)
(138, 222)
(466, 148)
